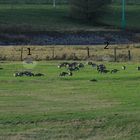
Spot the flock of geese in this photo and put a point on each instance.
(75, 66)
(70, 67)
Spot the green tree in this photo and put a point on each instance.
(88, 9)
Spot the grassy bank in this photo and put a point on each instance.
(38, 19)
(30, 18)
(32, 2)
(69, 108)
(113, 16)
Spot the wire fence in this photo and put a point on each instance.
(95, 53)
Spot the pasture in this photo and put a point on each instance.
(84, 106)
(53, 107)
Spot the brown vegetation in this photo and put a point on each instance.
(96, 53)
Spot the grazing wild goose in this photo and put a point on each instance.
(123, 67)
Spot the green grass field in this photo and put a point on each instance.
(32, 1)
(70, 108)
(38, 18)
(113, 16)
(41, 18)
(28, 18)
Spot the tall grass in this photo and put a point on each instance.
(97, 53)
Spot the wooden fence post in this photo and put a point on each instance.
(53, 53)
(115, 54)
(21, 54)
(88, 54)
(129, 55)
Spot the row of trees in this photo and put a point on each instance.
(88, 9)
